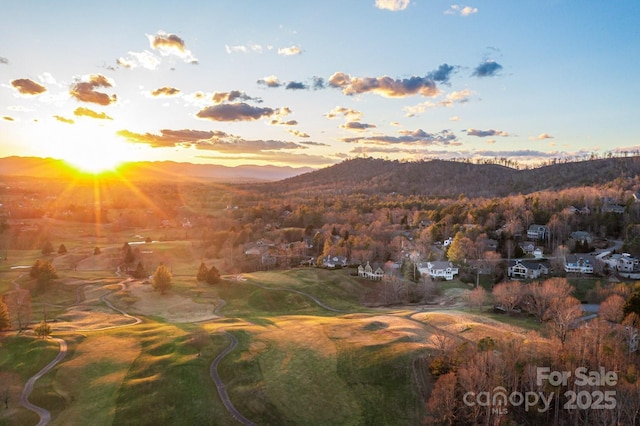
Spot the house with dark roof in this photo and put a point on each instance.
(526, 269)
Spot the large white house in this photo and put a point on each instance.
(438, 269)
(369, 273)
(537, 232)
(580, 263)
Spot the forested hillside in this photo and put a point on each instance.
(452, 178)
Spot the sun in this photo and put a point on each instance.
(96, 156)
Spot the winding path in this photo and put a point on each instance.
(222, 390)
(45, 415)
(292, 290)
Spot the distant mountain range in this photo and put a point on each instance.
(452, 178)
(162, 170)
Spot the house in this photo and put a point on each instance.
(537, 232)
(580, 263)
(610, 206)
(334, 261)
(438, 269)
(526, 269)
(528, 247)
(369, 273)
(582, 236)
(623, 262)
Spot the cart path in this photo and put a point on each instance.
(222, 390)
(293, 290)
(45, 415)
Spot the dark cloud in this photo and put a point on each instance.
(318, 83)
(488, 68)
(442, 74)
(485, 133)
(7, 118)
(220, 97)
(235, 112)
(63, 119)
(28, 87)
(299, 133)
(296, 85)
(85, 90)
(4, 60)
(165, 91)
(419, 137)
(385, 86)
(356, 125)
(206, 140)
(310, 143)
(86, 112)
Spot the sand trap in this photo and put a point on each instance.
(171, 307)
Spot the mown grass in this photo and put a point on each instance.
(23, 357)
(167, 383)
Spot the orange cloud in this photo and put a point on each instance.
(86, 112)
(85, 90)
(28, 87)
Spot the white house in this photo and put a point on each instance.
(334, 261)
(623, 262)
(583, 263)
(526, 269)
(438, 269)
(369, 273)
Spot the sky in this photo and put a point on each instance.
(312, 83)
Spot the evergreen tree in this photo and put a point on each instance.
(213, 276)
(47, 248)
(162, 279)
(202, 272)
(5, 319)
(129, 257)
(62, 249)
(96, 251)
(140, 272)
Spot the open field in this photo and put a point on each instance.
(308, 353)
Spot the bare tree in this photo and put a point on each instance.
(441, 406)
(563, 314)
(611, 308)
(508, 294)
(540, 295)
(477, 297)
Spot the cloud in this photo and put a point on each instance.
(454, 118)
(220, 97)
(318, 83)
(278, 122)
(63, 119)
(485, 133)
(349, 113)
(543, 136)
(418, 137)
(452, 98)
(85, 90)
(392, 5)
(270, 81)
(290, 51)
(4, 60)
(385, 86)
(461, 10)
(310, 143)
(207, 140)
(298, 133)
(296, 85)
(7, 118)
(143, 59)
(356, 126)
(488, 68)
(165, 91)
(28, 87)
(257, 48)
(442, 74)
(86, 112)
(518, 153)
(235, 112)
(171, 44)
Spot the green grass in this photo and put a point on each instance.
(25, 356)
(167, 383)
(527, 322)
